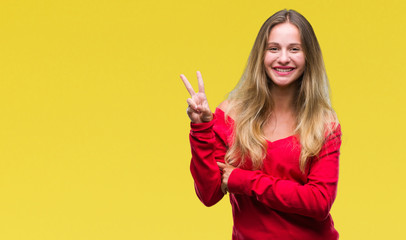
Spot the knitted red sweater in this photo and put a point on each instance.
(278, 201)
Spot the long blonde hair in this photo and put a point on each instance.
(252, 104)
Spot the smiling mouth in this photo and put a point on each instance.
(284, 69)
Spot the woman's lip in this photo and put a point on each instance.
(284, 67)
(283, 73)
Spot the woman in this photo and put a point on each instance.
(274, 143)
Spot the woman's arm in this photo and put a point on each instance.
(207, 149)
(313, 199)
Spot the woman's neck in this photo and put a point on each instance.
(283, 98)
(281, 122)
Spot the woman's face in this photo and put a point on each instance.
(284, 57)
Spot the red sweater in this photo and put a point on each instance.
(276, 202)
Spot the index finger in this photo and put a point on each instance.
(187, 85)
(200, 81)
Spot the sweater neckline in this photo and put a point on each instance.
(220, 111)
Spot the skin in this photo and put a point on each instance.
(284, 50)
(198, 108)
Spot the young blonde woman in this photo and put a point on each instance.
(274, 143)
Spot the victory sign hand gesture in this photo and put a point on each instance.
(198, 109)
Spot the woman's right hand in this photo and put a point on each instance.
(198, 109)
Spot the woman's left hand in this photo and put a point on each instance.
(226, 170)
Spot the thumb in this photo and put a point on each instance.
(221, 165)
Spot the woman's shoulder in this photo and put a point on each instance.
(333, 127)
(223, 126)
(224, 107)
(332, 122)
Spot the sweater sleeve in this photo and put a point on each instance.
(312, 199)
(207, 149)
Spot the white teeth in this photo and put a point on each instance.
(284, 70)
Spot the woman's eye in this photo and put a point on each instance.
(273, 49)
(295, 49)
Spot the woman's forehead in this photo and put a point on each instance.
(286, 33)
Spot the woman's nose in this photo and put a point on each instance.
(284, 57)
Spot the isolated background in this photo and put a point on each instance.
(93, 126)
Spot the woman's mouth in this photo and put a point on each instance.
(283, 70)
